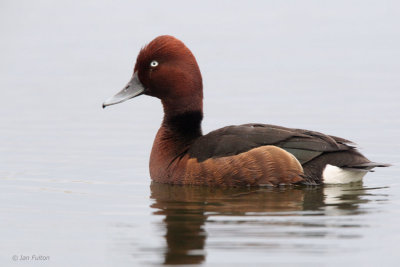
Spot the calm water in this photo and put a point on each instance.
(74, 181)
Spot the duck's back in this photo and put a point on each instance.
(316, 152)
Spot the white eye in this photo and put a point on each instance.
(154, 64)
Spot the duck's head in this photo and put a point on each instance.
(166, 69)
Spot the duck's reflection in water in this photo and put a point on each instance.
(187, 209)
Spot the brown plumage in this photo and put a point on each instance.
(244, 155)
(244, 169)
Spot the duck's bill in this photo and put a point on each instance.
(132, 89)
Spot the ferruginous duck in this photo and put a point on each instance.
(243, 155)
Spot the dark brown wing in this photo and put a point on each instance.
(313, 150)
(232, 140)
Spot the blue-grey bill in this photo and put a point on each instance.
(132, 89)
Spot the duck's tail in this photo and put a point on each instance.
(342, 175)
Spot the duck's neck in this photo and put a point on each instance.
(184, 127)
(173, 139)
(182, 123)
(179, 131)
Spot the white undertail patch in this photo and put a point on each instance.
(336, 175)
